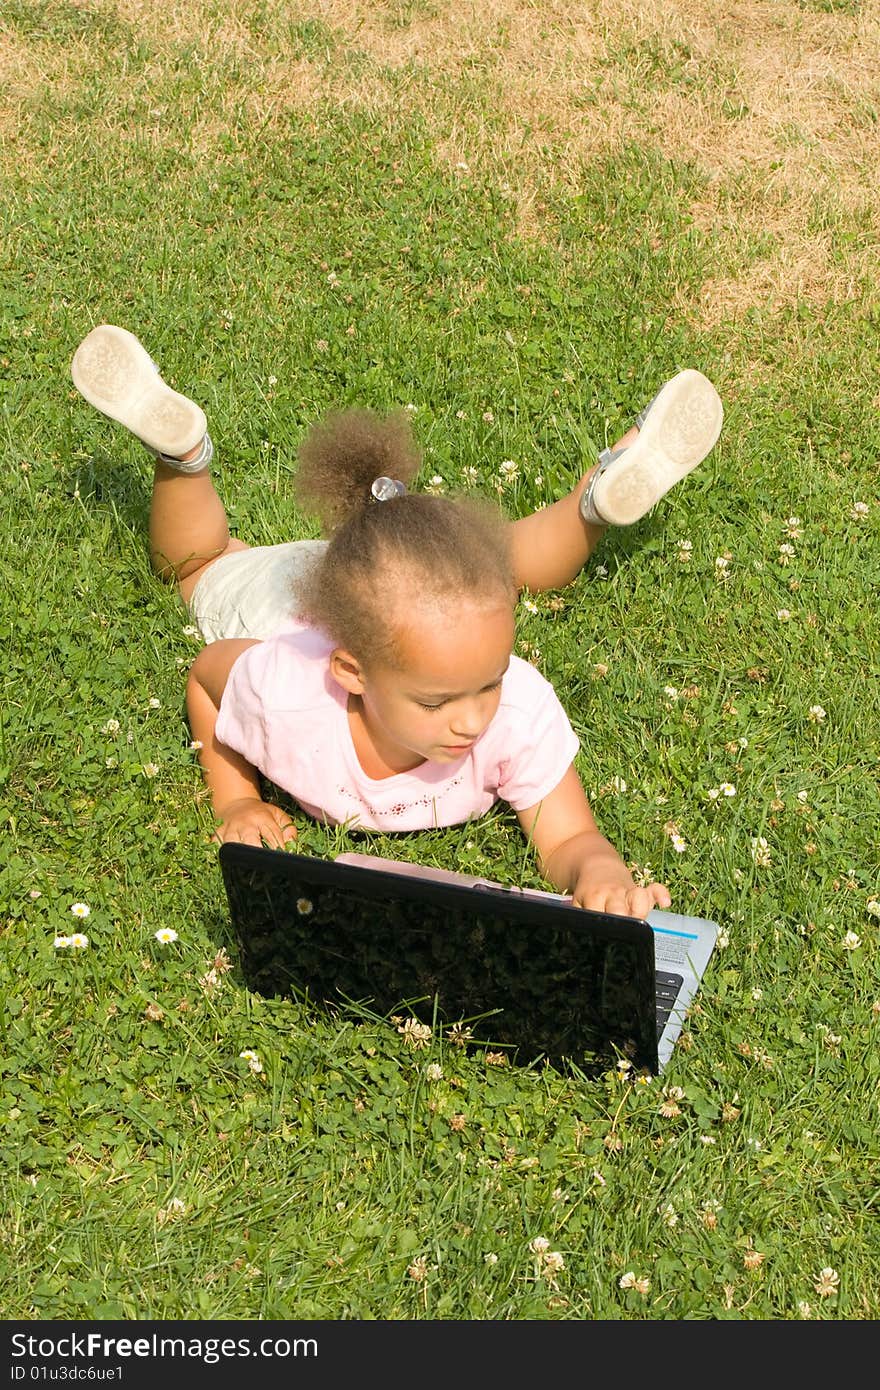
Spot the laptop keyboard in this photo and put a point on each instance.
(668, 987)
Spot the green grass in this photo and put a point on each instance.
(313, 1188)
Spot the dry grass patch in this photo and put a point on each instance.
(774, 102)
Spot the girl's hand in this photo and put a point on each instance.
(626, 900)
(251, 821)
(577, 859)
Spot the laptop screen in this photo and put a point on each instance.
(541, 979)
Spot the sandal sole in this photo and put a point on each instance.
(681, 428)
(116, 375)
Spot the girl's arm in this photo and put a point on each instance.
(234, 785)
(577, 859)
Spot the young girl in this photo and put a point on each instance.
(371, 677)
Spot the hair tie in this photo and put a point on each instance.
(384, 489)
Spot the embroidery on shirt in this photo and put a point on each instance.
(401, 807)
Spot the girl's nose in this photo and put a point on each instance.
(468, 722)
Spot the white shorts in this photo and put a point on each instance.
(252, 593)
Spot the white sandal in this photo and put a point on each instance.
(116, 374)
(677, 429)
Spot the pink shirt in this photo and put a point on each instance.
(286, 715)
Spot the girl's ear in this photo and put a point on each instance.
(346, 670)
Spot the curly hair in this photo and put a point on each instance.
(383, 558)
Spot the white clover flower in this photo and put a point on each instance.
(671, 691)
(434, 1072)
(873, 906)
(414, 1033)
(713, 793)
(488, 417)
(539, 1245)
(509, 468)
(783, 614)
(669, 1215)
(111, 727)
(166, 935)
(80, 909)
(803, 797)
(154, 703)
(852, 941)
(760, 851)
(827, 1283)
(174, 1209)
(553, 1263)
(151, 770)
(685, 549)
(859, 510)
(723, 939)
(470, 474)
(816, 713)
(757, 993)
(79, 941)
(491, 1258)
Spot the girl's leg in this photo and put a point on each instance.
(188, 526)
(551, 547)
(670, 437)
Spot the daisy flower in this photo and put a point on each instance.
(80, 909)
(165, 935)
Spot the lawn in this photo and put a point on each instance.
(515, 220)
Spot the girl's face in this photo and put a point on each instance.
(442, 693)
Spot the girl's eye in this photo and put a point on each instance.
(423, 706)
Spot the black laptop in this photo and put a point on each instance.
(525, 971)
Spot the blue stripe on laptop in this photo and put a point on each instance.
(664, 931)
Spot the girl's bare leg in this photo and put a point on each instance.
(551, 547)
(188, 526)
